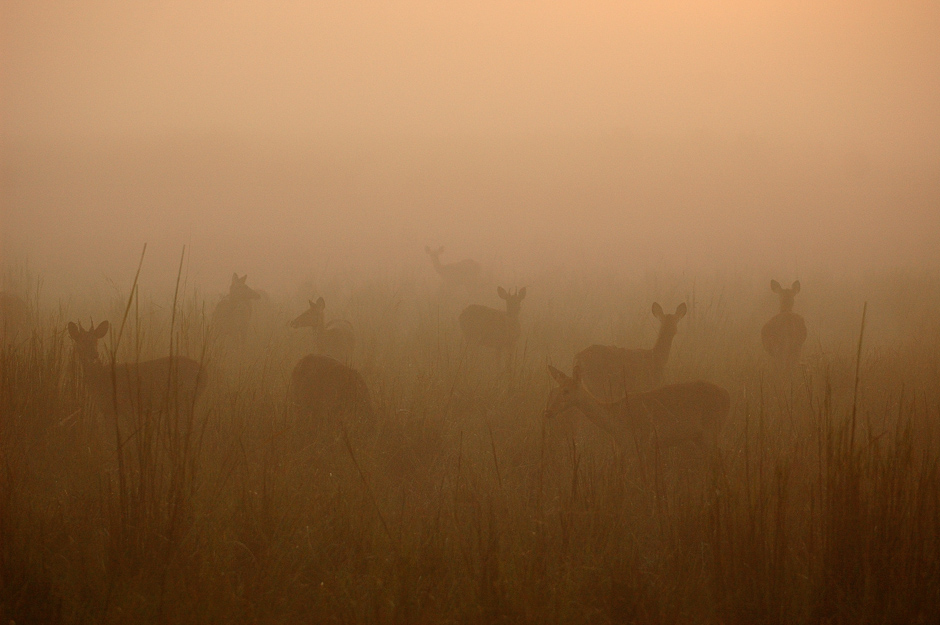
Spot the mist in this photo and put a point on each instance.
(285, 139)
(489, 312)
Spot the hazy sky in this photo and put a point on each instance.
(627, 130)
(846, 70)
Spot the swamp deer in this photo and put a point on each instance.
(233, 313)
(14, 318)
(465, 273)
(668, 415)
(170, 385)
(609, 372)
(323, 387)
(334, 338)
(783, 336)
(488, 327)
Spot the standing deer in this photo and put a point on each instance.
(609, 372)
(168, 385)
(783, 336)
(488, 327)
(323, 387)
(334, 338)
(465, 273)
(669, 415)
(233, 313)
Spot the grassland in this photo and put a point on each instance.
(462, 504)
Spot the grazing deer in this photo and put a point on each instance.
(464, 273)
(233, 313)
(14, 318)
(669, 415)
(324, 387)
(334, 338)
(169, 385)
(783, 336)
(488, 327)
(609, 372)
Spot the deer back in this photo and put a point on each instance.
(609, 372)
(324, 386)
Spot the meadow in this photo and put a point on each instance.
(461, 503)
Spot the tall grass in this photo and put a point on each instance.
(823, 504)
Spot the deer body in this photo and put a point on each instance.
(669, 415)
(488, 327)
(167, 385)
(335, 338)
(323, 386)
(609, 371)
(233, 313)
(783, 336)
(464, 273)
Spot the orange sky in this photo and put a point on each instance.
(769, 134)
(857, 72)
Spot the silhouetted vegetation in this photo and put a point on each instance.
(458, 502)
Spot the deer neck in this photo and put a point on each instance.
(319, 331)
(661, 349)
(786, 304)
(96, 376)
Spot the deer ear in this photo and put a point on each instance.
(502, 292)
(234, 278)
(310, 301)
(775, 286)
(245, 279)
(681, 310)
(657, 310)
(521, 293)
(796, 287)
(102, 329)
(558, 376)
(73, 331)
(320, 302)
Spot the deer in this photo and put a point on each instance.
(323, 387)
(783, 336)
(609, 371)
(488, 327)
(667, 416)
(233, 313)
(334, 338)
(170, 385)
(465, 273)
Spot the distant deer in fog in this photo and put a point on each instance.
(488, 327)
(609, 371)
(14, 318)
(668, 415)
(168, 385)
(233, 313)
(334, 338)
(465, 273)
(783, 336)
(322, 387)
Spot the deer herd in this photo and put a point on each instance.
(618, 389)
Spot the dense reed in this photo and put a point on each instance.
(461, 504)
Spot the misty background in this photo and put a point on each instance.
(281, 139)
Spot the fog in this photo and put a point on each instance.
(286, 138)
(678, 360)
